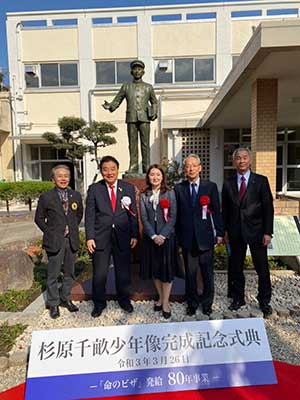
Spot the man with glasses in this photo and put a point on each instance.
(198, 228)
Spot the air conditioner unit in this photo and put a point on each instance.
(31, 70)
(165, 65)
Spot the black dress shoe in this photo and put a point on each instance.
(157, 307)
(128, 307)
(236, 305)
(97, 311)
(207, 310)
(69, 306)
(190, 311)
(166, 314)
(54, 312)
(266, 309)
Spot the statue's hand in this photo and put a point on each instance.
(105, 105)
(153, 117)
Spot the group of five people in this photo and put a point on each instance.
(188, 215)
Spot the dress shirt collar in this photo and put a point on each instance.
(246, 176)
(62, 192)
(115, 187)
(197, 184)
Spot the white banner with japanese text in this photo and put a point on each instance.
(108, 361)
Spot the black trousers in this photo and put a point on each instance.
(236, 275)
(192, 261)
(57, 262)
(101, 261)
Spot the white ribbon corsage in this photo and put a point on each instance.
(126, 203)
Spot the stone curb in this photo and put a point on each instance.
(20, 357)
(27, 314)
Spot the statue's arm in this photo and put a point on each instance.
(116, 101)
(153, 101)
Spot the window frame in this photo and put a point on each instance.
(193, 81)
(116, 83)
(39, 75)
(241, 143)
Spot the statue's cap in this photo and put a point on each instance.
(137, 62)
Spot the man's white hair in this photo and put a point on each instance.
(192, 156)
(241, 149)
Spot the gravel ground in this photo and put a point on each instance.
(283, 333)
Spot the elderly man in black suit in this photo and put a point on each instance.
(111, 230)
(58, 215)
(248, 213)
(198, 227)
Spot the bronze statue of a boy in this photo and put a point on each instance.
(141, 109)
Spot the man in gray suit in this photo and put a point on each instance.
(141, 109)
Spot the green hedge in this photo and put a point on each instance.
(23, 191)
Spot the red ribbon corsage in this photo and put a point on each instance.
(204, 202)
(165, 205)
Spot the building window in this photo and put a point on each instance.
(204, 69)
(185, 70)
(51, 75)
(41, 159)
(113, 72)
(164, 71)
(31, 76)
(291, 159)
(233, 139)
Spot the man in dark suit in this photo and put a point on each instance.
(248, 213)
(198, 228)
(111, 230)
(58, 215)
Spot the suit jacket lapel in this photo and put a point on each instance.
(104, 194)
(187, 192)
(235, 189)
(70, 200)
(201, 190)
(119, 196)
(57, 200)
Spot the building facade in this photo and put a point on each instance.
(6, 149)
(65, 63)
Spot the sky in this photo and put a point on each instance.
(40, 5)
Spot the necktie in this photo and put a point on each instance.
(64, 202)
(242, 187)
(113, 199)
(194, 194)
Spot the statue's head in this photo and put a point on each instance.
(137, 69)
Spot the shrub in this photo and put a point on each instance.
(26, 191)
(173, 171)
(221, 260)
(83, 255)
(8, 335)
(8, 192)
